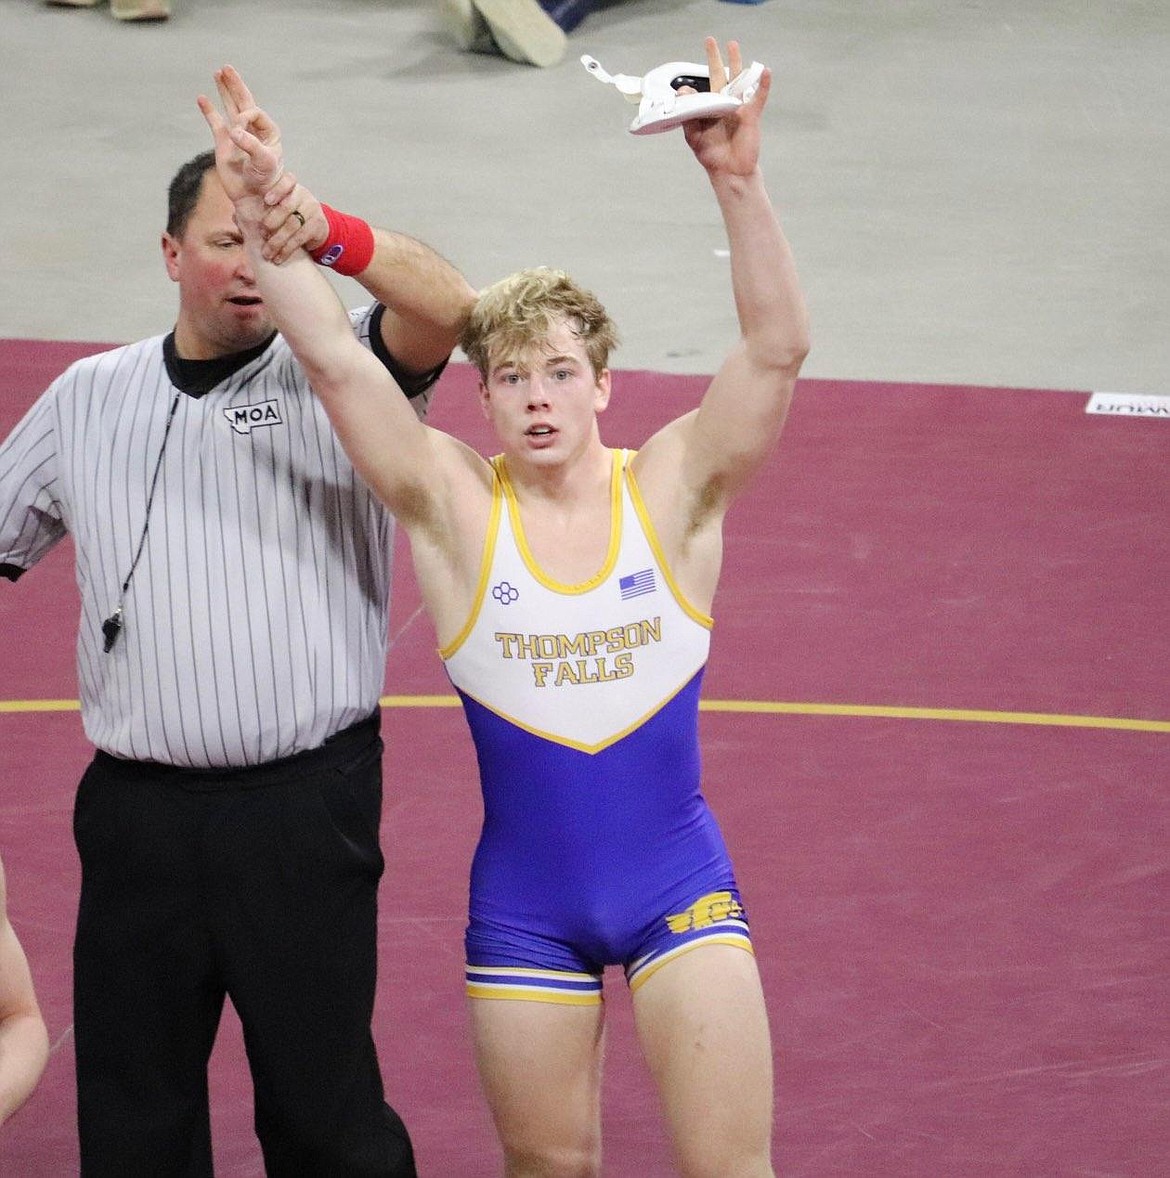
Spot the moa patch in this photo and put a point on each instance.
(245, 418)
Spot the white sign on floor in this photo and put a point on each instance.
(1129, 405)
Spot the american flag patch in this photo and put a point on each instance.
(636, 584)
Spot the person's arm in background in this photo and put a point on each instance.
(24, 1041)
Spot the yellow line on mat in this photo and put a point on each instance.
(754, 707)
(419, 701)
(1043, 719)
(39, 705)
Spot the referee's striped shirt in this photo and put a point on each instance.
(254, 625)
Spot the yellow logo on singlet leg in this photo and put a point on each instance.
(704, 912)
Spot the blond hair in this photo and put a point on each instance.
(518, 312)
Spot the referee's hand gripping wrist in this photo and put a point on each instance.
(294, 220)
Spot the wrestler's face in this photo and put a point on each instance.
(544, 402)
(220, 309)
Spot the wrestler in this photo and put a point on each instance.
(571, 588)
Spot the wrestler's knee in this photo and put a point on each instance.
(724, 1159)
(553, 1160)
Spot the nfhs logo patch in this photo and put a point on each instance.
(505, 593)
(245, 418)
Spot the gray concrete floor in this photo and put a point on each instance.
(976, 191)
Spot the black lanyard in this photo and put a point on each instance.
(112, 626)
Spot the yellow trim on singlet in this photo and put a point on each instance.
(651, 535)
(531, 990)
(529, 971)
(485, 568)
(639, 975)
(534, 994)
(615, 531)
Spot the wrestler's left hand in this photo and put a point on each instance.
(248, 153)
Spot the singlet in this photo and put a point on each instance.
(583, 704)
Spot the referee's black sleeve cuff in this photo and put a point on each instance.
(11, 572)
(413, 384)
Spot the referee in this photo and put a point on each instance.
(234, 575)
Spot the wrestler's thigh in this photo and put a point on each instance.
(540, 1067)
(703, 1028)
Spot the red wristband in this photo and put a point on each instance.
(349, 247)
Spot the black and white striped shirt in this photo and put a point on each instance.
(255, 621)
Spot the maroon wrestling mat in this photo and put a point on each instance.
(937, 735)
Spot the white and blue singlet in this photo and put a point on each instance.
(597, 846)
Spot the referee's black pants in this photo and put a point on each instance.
(258, 884)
